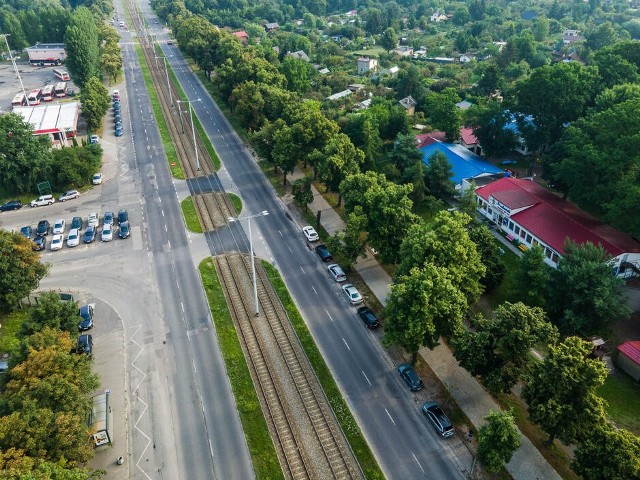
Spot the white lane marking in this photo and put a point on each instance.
(416, 459)
(302, 270)
(165, 228)
(346, 344)
(162, 212)
(329, 315)
(182, 305)
(314, 289)
(280, 233)
(289, 248)
(389, 415)
(366, 378)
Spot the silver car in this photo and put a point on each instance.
(107, 233)
(352, 294)
(336, 272)
(73, 239)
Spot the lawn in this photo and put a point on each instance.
(190, 216)
(504, 292)
(236, 201)
(10, 326)
(623, 395)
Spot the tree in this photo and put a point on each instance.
(389, 39)
(490, 256)
(467, 203)
(298, 74)
(20, 271)
(489, 125)
(443, 112)
(24, 156)
(583, 293)
(95, 102)
(608, 453)
(351, 243)
(437, 176)
(561, 391)
(248, 105)
(82, 47)
(531, 277)
(498, 439)
(498, 349)
(302, 193)
(51, 312)
(405, 154)
(422, 306)
(490, 80)
(340, 158)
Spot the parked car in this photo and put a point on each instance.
(116, 104)
(323, 253)
(71, 92)
(85, 345)
(108, 218)
(352, 294)
(59, 226)
(89, 235)
(43, 200)
(118, 132)
(69, 195)
(42, 228)
(336, 272)
(26, 231)
(73, 239)
(368, 317)
(39, 243)
(92, 220)
(12, 205)
(56, 242)
(77, 222)
(438, 419)
(86, 318)
(310, 233)
(107, 233)
(96, 179)
(124, 231)
(123, 216)
(411, 377)
(94, 139)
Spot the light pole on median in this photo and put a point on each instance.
(193, 130)
(263, 213)
(166, 70)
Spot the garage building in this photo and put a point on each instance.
(46, 54)
(58, 120)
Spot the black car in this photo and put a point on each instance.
(12, 205)
(440, 421)
(368, 317)
(124, 231)
(410, 376)
(323, 253)
(26, 231)
(123, 216)
(89, 235)
(39, 243)
(86, 315)
(43, 228)
(85, 345)
(77, 222)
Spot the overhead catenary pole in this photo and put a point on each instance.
(15, 67)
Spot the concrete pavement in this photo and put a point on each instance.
(527, 462)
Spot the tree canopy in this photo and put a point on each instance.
(609, 453)
(95, 102)
(498, 439)
(82, 46)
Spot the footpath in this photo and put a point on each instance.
(527, 463)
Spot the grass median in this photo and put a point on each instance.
(190, 215)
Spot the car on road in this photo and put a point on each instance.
(169, 42)
(336, 272)
(310, 233)
(94, 139)
(411, 377)
(108, 218)
(59, 226)
(438, 419)
(69, 195)
(323, 253)
(118, 132)
(77, 222)
(368, 317)
(107, 233)
(73, 238)
(39, 243)
(124, 231)
(93, 220)
(85, 345)
(12, 205)
(352, 294)
(96, 179)
(89, 235)
(43, 200)
(42, 228)
(123, 216)
(86, 316)
(56, 242)
(26, 231)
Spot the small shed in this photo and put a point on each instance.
(100, 420)
(629, 358)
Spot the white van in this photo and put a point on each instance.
(43, 200)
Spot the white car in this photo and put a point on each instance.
(107, 233)
(94, 139)
(73, 239)
(43, 200)
(336, 272)
(56, 242)
(310, 233)
(97, 179)
(352, 294)
(70, 195)
(92, 220)
(59, 226)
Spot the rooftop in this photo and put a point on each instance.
(51, 117)
(631, 349)
(464, 164)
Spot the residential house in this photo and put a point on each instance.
(629, 358)
(464, 105)
(300, 54)
(438, 16)
(242, 36)
(339, 95)
(409, 104)
(465, 58)
(366, 65)
(571, 36)
(363, 105)
(469, 141)
(271, 27)
(533, 215)
(521, 144)
(404, 51)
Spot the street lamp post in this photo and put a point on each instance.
(193, 130)
(15, 67)
(166, 70)
(263, 213)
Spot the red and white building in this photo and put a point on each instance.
(57, 120)
(529, 213)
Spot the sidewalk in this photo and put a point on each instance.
(527, 462)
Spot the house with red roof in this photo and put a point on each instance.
(532, 215)
(242, 35)
(469, 141)
(629, 358)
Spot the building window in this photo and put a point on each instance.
(510, 225)
(535, 242)
(522, 233)
(489, 211)
(529, 238)
(548, 252)
(555, 258)
(517, 230)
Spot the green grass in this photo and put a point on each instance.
(11, 324)
(341, 410)
(504, 292)
(623, 395)
(167, 142)
(236, 201)
(369, 52)
(263, 453)
(190, 216)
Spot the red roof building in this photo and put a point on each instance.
(535, 216)
(242, 35)
(629, 358)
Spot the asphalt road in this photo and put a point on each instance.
(404, 444)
